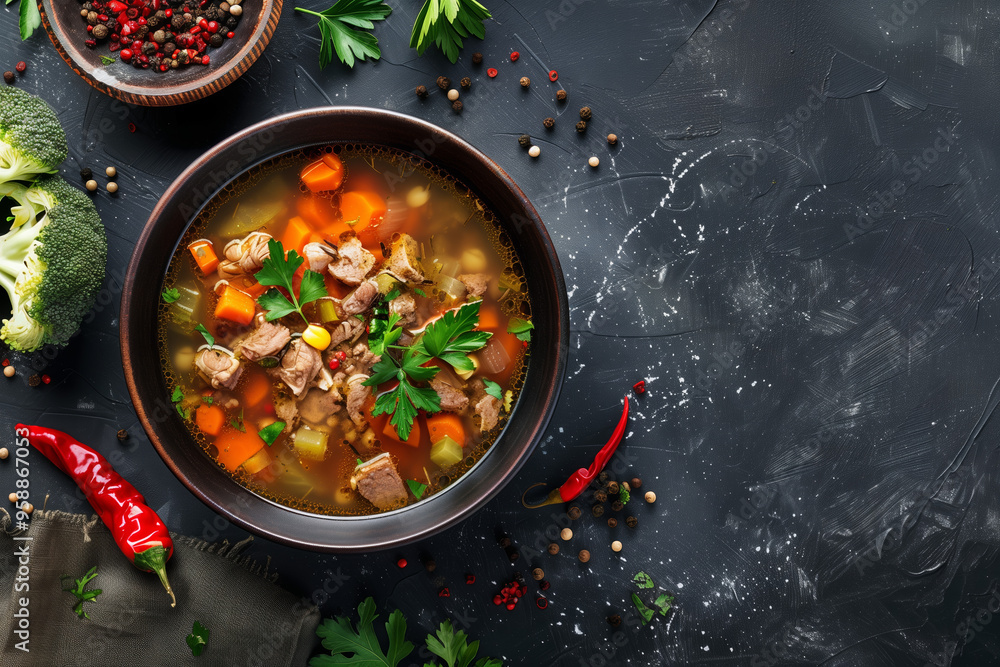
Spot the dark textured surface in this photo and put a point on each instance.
(821, 384)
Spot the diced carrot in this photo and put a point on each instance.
(416, 434)
(323, 175)
(249, 286)
(235, 306)
(235, 447)
(443, 424)
(210, 418)
(257, 389)
(362, 209)
(318, 212)
(296, 235)
(489, 319)
(204, 255)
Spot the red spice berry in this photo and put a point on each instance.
(401, 563)
(169, 13)
(46, 379)
(510, 606)
(470, 579)
(444, 593)
(553, 75)
(230, 35)
(212, 27)
(141, 20)
(497, 600)
(195, 30)
(639, 387)
(545, 585)
(6, 362)
(514, 56)
(90, 42)
(334, 364)
(205, 60)
(90, 28)
(163, 68)
(541, 603)
(203, 23)
(341, 355)
(491, 72)
(131, 127)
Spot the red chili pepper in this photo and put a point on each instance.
(137, 529)
(579, 480)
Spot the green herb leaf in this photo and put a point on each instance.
(271, 432)
(278, 270)
(624, 495)
(29, 18)
(453, 647)
(198, 639)
(452, 337)
(185, 414)
(520, 328)
(172, 294)
(82, 595)
(362, 644)
(178, 395)
(419, 292)
(360, 461)
(665, 603)
(645, 612)
(416, 488)
(493, 389)
(275, 304)
(643, 580)
(339, 29)
(108, 60)
(237, 422)
(311, 288)
(394, 294)
(207, 400)
(209, 338)
(445, 23)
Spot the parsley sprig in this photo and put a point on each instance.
(198, 639)
(339, 29)
(445, 23)
(454, 648)
(279, 271)
(78, 589)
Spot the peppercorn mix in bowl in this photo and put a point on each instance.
(160, 52)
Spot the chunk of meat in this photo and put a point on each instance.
(361, 360)
(299, 366)
(353, 264)
(218, 368)
(476, 283)
(488, 409)
(404, 305)
(404, 260)
(318, 405)
(319, 256)
(348, 329)
(360, 300)
(378, 481)
(452, 399)
(245, 256)
(286, 410)
(357, 394)
(265, 341)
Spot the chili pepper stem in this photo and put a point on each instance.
(552, 499)
(154, 559)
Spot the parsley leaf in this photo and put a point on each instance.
(207, 400)
(624, 495)
(81, 594)
(453, 647)
(419, 292)
(209, 338)
(451, 337)
(108, 60)
(417, 488)
(520, 328)
(172, 294)
(338, 27)
(362, 644)
(645, 612)
(198, 639)
(271, 432)
(178, 395)
(493, 389)
(278, 270)
(445, 23)
(643, 580)
(665, 603)
(237, 422)
(29, 18)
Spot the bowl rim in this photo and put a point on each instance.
(176, 94)
(551, 384)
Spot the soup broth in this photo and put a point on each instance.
(367, 221)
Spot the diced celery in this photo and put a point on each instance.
(446, 452)
(257, 462)
(310, 444)
(385, 283)
(184, 309)
(326, 309)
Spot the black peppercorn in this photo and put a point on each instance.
(525, 82)
(505, 542)
(466, 83)
(636, 482)
(597, 510)
(612, 522)
(612, 488)
(8, 76)
(512, 554)
(617, 506)
(553, 548)
(443, 82)
(631, 522)
(549, 123)
(86, 174)
(457, 106)
(215, 40)
(600, 496)
(581, 126)
(421, 91)
(34, 380)
(574, 513)
(149, 48)
(177, 22)
(602, 478)
(430, 565)
(524, 140)
(477, 58)
(122, 435)
(561, 95)
(169, 48)
(615, 620)
(100, 31)
(586, 113)
(231, 22)
(518, 577)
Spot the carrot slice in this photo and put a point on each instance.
(318, 212)
(249, 286)
(363, 210)
(445, 424)
(236, 447)
(323, 175)
(257, 389)
(296, 235)
(488, 318)
(209, 418)
(416, 434)
(235, 306)
(204, 255)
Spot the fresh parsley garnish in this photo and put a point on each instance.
(419, 292)
(278, 271)
(392, 295)
(198, 639)
(237, 422)
(624, 495)
(362, 644)
(520, 328)
(645, 612)
(416, 488)
(445, 23)
(452, 337)
(209, 338)
(82, 595)
(342, 29)
(643, 580)
(178, 395)
(493, 389)
(29, 18)
(207, 400)
(454, 648)
(403, 401)
(664, 601)
(271, 432)
(108, 60)
(360, 461)
(172, 294)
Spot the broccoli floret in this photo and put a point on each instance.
(52, 267)
(32, 141)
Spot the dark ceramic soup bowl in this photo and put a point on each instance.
(179, 206)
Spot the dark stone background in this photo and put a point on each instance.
(821, 384)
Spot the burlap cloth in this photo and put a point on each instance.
(252, 621)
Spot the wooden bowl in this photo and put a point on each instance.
(68, 31)
(196, 186)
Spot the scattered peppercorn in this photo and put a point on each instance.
(34, 381)
(594, 162)
(561, 95)
(492, 72)
(430, 565)
(525, 82)
(21, 66)
(477, 58)
(584, 556)
(100, 31)
(545, 585)
(505, 542)
(9, 372)
(470, 579)
(631, 522)
(586, 113)
(581, 126)
(524, 140)
(612, 522)
(617, 506)
(453, 94)
(12, 497)
(639, 387)
(574, 512)
(28, 508)
(615, 620)
(46, 379)
(8, 76)
(112, 187)
(537, 574)
(512, 554)
(549, 123)
(444, 592)
(602, 478)
(636, 483)
(566, 534)
(514, 56)
(616, 546)
(401, 563)
(122, 435)
(553, 548)
(457, 106)
(612, 140)
(612, 488)
(92, 185)
(553, 75)
(4, 452)
(601, 496)
(534, 151)
(443, 82)
(597, 510)
(650, 497)
(465, 83)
